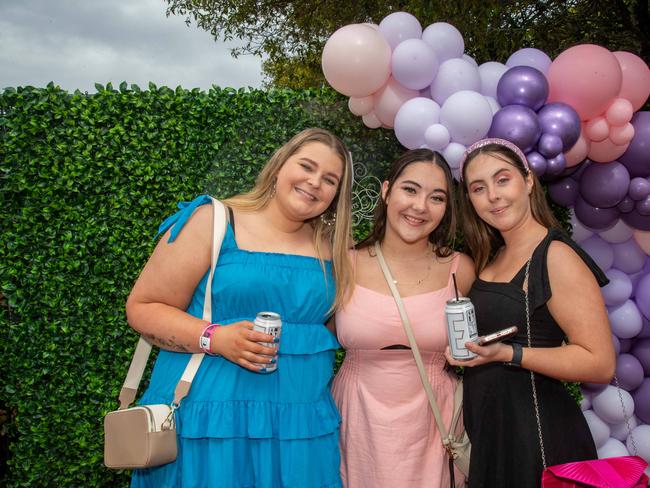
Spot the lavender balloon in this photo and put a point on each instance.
(636, 220)
(629, 372)
(523, 85)
(637, 155)
(641, 398)
(517, 124)
(549, 145)
(628, 256)
(600, 251)
(626, 321)
(556, 165)
(595, 217)
(604, 185)
(619, 288)
(529, 56)
(643, 206)
(537, 162)
(559, 119)
(564, 192)
(641, 351)
(642, 295)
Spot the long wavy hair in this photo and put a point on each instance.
(443, 235)
(483, 240)
(338, 235)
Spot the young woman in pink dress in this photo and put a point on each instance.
(389, 437)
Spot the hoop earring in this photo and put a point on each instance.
(328, 219)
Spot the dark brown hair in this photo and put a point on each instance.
(442, 236)
(483, 240)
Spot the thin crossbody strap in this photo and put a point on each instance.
(142, 351)
(414, 347)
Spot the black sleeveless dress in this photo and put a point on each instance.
(499, 412)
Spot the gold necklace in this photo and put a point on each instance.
(418, 282)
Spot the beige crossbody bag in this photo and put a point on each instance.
(457, 446)
(144, 436)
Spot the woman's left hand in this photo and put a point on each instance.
(484, 354)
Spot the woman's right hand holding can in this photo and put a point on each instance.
(239, 343)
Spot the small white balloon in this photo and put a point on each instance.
(437, 137)
(414, 64)
(412, 120)
(621, 432)
(467, 116)
(599, 429)
(494, 105)
(490, 73)
(607, 405)
(445, 39)
(612, 448)
(453, 153)
(641, 436)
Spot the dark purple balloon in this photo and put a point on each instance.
(643, 206)
(626, 205)
(637, 155)
(561, 120)
(625, 345)
(564, 192)
(549, 145)
(617, 344)
(594, 217)
(537, 163)
(523, 85)
(635, 220)
(517, 124)
(639, 188)
(604, 185)
(629, 372)
(641, 351)
(556, 165)
(582, 167)
(641, 397)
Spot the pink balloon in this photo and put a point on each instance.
(622, 134)
(389, 99)
(361, 106)
(597, 129)
(356, 60)
(587, 77)
(636, 78)
(619, 112)
(370, 120)
(606, 151)
(578, 152)
(642, 238)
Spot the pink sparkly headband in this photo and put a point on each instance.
(494, 140)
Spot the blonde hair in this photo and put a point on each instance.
(483, 240)
(338, 235)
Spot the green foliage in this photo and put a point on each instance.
(85, 181)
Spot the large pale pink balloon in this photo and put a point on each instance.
(587, 77)
(605, 151)
(389, 99)
(636, 78)
(356, 60)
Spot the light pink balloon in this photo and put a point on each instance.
(389, 99)
(606, 151)
(642, 238)
(356, 60)
(597, 129)
(578, 152)
(636, 78)
(587, 77)
(619, 112)
(361, 106)
(621, 135)
(370, 120)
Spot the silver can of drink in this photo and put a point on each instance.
(461, 327)
(269, 323)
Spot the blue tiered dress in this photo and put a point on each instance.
(237, 428)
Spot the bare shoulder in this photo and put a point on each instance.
(198, 229)
(566, 268)
(465, 273)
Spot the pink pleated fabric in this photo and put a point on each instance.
(389, 437)
(617, 472)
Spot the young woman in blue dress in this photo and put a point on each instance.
(286, 251)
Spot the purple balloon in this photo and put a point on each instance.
(641, 351)
(639, 188)
(556, 165)
(643, 206)
(561, 120)
(537, 163)
(625, 345)
(626, 321)
(629, 372)
(517, 124)
(635, 220)
(619, 288)
(626, 205)
(549, 145)
(530, 56)
(637, 156)
(645, 332)
(582, 167)
(641, 397)
(564, 192)
(595, 217)
(523, 85)
(628, 256)
(617, 344)
(642, 295)
(604, 185)
(600, 251)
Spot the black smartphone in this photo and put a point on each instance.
(497, 336)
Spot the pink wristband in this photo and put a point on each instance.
(205, 341)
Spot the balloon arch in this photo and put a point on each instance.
(577, 119)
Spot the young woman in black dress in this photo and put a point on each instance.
(507, 222)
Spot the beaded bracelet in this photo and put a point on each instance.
(205, 341)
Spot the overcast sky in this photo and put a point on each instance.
(76, 43)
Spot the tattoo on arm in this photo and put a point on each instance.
(169, 344)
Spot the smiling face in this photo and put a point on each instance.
(307, 182)
(416, 203)
(498, 191)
